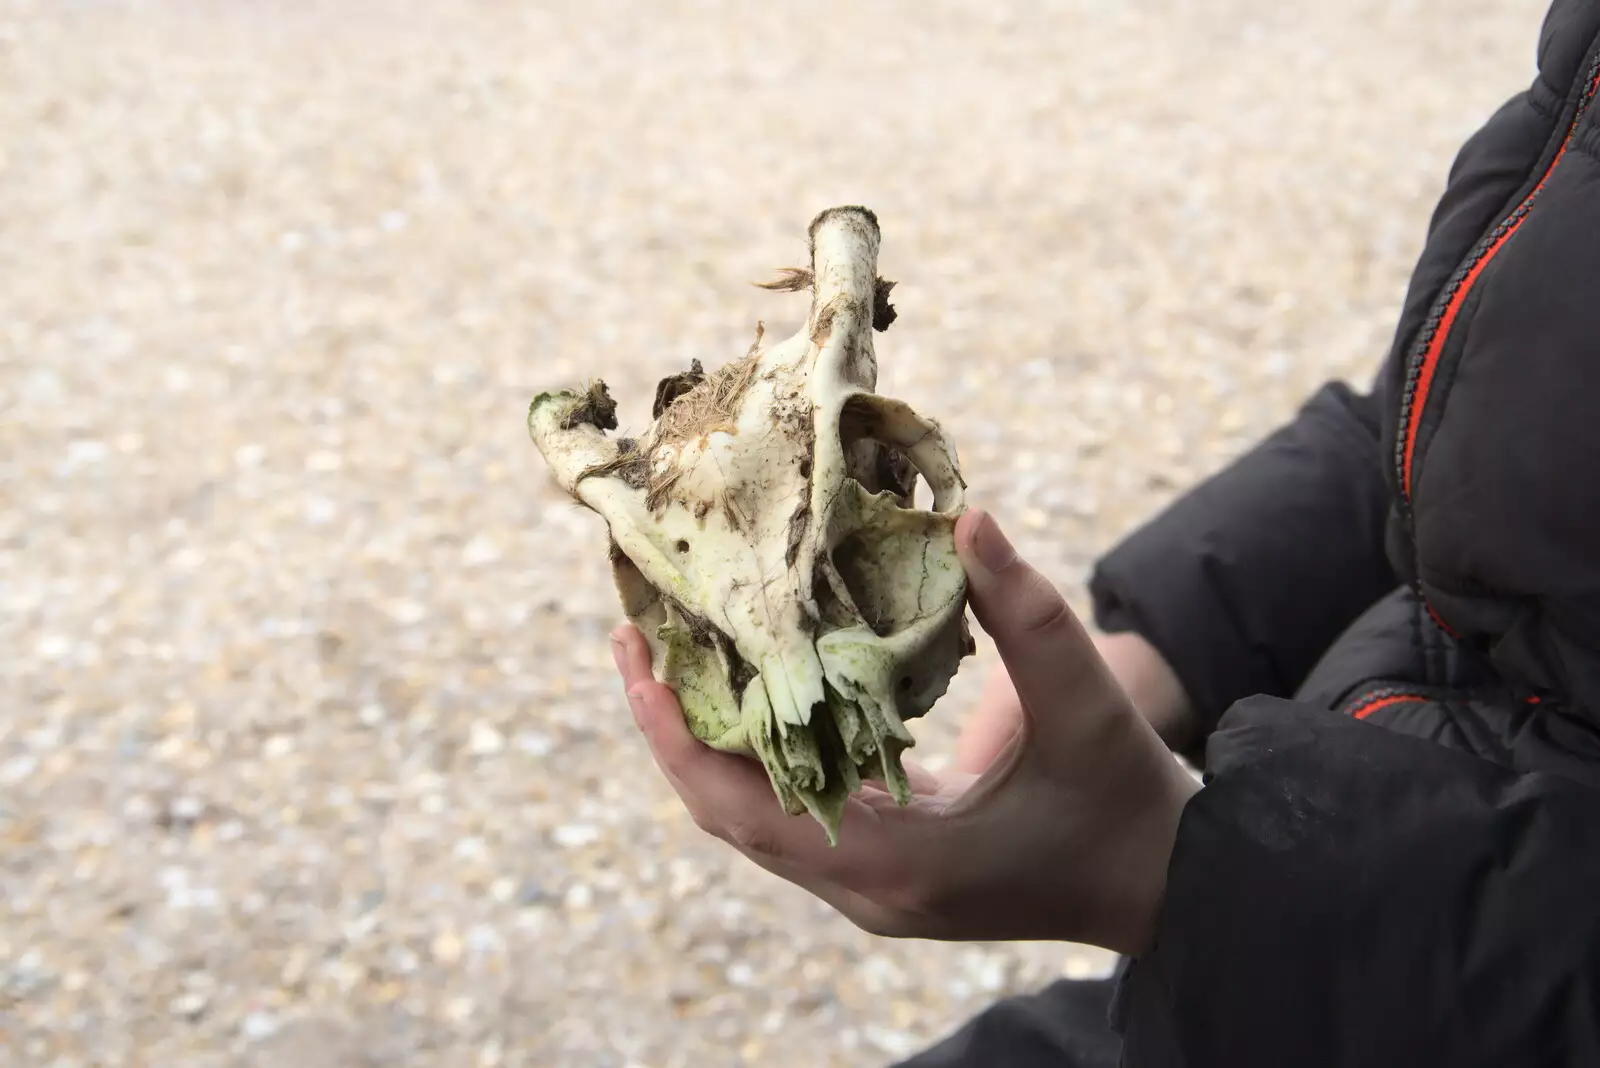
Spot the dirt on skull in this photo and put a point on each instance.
(766, 538)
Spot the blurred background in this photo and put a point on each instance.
(311, 750)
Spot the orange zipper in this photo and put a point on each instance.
(1431, 341)
(1372, 702)
(1367, 703)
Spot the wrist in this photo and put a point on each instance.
(1147, 854)
(1152, 686)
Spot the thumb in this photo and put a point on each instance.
(1051, 659)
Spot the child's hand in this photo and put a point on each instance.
(1066, 836)
(1143, 673)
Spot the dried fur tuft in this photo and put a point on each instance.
(672, 387)
(790, 280)
(883, 312)
(629, 465)
(710, 406)
(595, 408)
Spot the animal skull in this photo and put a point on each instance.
(765, 538)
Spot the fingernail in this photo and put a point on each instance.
(618, 652)
(994, 552)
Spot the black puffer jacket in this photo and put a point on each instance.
(1416, 881)
(1389, 616)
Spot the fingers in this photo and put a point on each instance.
(731, 797)
(890, 861)
(993, 725)
(632, 655)
(691, 766)
(1049, 657)
(922, 781)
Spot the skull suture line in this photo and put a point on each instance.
(766, 540)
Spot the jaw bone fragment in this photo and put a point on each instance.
(765, 538)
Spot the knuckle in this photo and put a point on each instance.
(752, 836)
(880, 922)
(921, 903)
(1040, 607)
(702, 819)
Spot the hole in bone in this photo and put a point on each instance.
(920, 490)
(887, 445)
(682, 546)
(853, 558)
(739, 670)
(833, 612)
(876, 462)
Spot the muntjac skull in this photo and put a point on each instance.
(766, 540)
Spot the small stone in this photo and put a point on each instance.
(258, 1026)
(485, 740)
(86, 452)
(446, 947)
(579, 896)
(532, 894)
(17, 769)
(479, 551)
(188, 1006)
(483, 940)
(320, 510)
(1079, 966)
(535, 743)
(294, 969)
(53, 647)
(187, 808)
(894, 1043)
(990, 974)
(576, 835)
(684, 879)
(407, 612)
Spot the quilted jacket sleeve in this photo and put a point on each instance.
(1247, 578)
(1344, 895)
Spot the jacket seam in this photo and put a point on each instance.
(1460, 341)
(1552, 99)
(1588, 142)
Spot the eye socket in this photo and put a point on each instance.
(903, 460)
(682, 546)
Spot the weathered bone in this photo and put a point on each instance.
(766, 541)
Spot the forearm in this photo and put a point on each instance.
(1244, 580)
(1151, 685)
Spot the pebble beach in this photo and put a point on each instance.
(311, 749)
